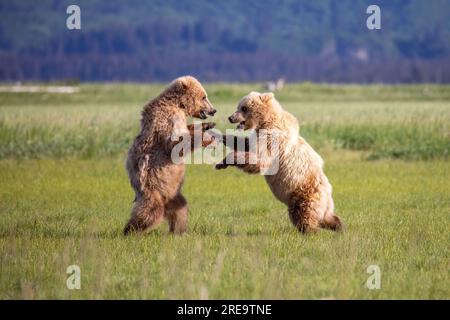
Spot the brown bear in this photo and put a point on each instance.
(299, 180)
(154, 176)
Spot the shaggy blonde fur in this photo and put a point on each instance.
(300, 182)
(154, 177)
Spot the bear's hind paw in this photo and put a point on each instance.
(221, 165)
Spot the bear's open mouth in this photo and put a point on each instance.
(203, 115)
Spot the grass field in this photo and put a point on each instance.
(64, 198)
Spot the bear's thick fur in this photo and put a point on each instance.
(154, 176)
(299, 182)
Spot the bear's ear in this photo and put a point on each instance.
(181, 84)
(266, 97)
(184, 81)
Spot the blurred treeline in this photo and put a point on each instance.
(325, 41)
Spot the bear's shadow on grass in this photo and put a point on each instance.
(116, 233)
(61, 234)
(233, 231)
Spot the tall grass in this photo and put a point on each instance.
(406, 122)
(408, 140)
(57, 142)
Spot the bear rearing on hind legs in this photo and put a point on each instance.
(299, 180)
(154, 176)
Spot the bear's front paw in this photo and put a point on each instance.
(221, 165)
(208, 139)
(208, 125)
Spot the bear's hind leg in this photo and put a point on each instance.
(303, 216)
(147, 212)
(177, 214)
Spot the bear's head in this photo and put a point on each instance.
(192, 97)
(256, 111)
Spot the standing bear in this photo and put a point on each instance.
(299, 180)
(154, 175)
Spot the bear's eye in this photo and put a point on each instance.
(204, 98)
(244, 109)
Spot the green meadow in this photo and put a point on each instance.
(65, 197)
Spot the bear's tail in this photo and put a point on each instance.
(332, 222)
